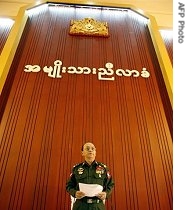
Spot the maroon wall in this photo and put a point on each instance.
(46, 120)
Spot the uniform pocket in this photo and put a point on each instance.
(100, 176)
(80, 177)
(99, 179)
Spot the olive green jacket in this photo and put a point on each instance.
(96, 173)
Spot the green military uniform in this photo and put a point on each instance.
(96, 173)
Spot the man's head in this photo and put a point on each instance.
(89, 152)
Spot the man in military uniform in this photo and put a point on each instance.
(89, 172)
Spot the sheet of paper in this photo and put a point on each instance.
(90, 190)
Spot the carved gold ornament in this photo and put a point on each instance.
(89, 27)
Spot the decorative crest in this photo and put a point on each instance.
(89, 27)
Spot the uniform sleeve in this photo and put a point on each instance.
(71, 184)
(109, 184)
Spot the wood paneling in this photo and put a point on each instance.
(5, 28)
(168, 40)
(4, 32)
(46, 120)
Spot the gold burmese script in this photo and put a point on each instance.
(104, 73)
(89, 27)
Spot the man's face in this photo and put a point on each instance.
(89, 151)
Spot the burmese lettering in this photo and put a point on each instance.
(103, 73)
(181, 23)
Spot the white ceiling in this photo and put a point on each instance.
(162, 10)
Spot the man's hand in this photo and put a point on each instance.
(102, 195)
(79, 195)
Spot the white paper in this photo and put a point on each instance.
(90, 190)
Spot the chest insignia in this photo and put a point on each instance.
(80, 170)
(99, 170)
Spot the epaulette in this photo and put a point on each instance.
(78, 164)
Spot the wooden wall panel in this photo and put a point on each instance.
(46, 120)
(168, 40)
(4, 32)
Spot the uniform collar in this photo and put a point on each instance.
(93, 163)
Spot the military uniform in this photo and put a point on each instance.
(96, 173)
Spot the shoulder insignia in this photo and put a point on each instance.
(77, 165)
